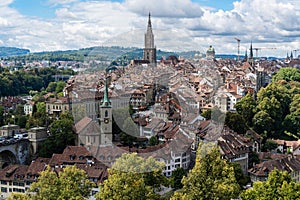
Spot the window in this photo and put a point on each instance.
(3, 182)
(3, 189)
(106, 114)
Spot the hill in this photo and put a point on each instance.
(102, 53)
(12, 51)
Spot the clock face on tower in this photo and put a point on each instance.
(106, 121)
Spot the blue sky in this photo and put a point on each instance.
(178, 25)
(39, 8)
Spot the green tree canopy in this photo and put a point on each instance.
(246, 107)
(153, 141)
(287, 74)
(62, 135)
(279, 186)
(176, 178)
(231, 121)
(70, 183)
(211, 178)
(132, 177)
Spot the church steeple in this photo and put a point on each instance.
(150, 49)
(251, 59)
(106, 101)
(251, 51)
(106, 118)
(246, 55)
(149, 28)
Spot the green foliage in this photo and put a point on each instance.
(1, 115)
(211, 178)
(39, 116)
(132, 177)
(269, 145)
(70, 183)
(23, 81)
(51, 87)
(18, 196)
(207, 114)
(176, 178)
(241, 178)
(246, 107)
(287, 74)
(60, 86)
(253, 159)
(153, 141)
(279, 186)
(262, 122)
(236, 122)
(62, 135)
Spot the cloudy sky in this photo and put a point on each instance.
(178, 25)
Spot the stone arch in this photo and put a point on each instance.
(7, 157)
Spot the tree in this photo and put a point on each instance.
(287, 74)
(132, 177)
(236, 122)
(279, 185)
(207, 114)
(246, 107)
(69, 183)
(153, 141)
(18, 196)
(60, 86)
(273, 107)
(1, 115)
(51, 87)
(240, 177)
(176, 178)
(292, 122)
(262, 122)
(211, 178)
(61, 136)
(269, 145)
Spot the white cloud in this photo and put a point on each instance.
(164, 8)
(177, 25)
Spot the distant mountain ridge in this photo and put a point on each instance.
(113, 53)
(12, 51)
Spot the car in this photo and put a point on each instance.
(12, 140)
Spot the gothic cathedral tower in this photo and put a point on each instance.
(106, 118)
(150, 49)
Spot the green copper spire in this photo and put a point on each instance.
(106, 101)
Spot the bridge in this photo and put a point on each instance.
(15, 153)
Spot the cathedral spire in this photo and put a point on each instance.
(149, 28)
(251, 51)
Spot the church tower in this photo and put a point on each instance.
(106, 118)
(150, 49)
(251, 58)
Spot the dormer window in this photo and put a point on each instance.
(72, 157)
(81, 157)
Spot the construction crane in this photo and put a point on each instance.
(260, 48)
(238, 41)
(296, 52)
